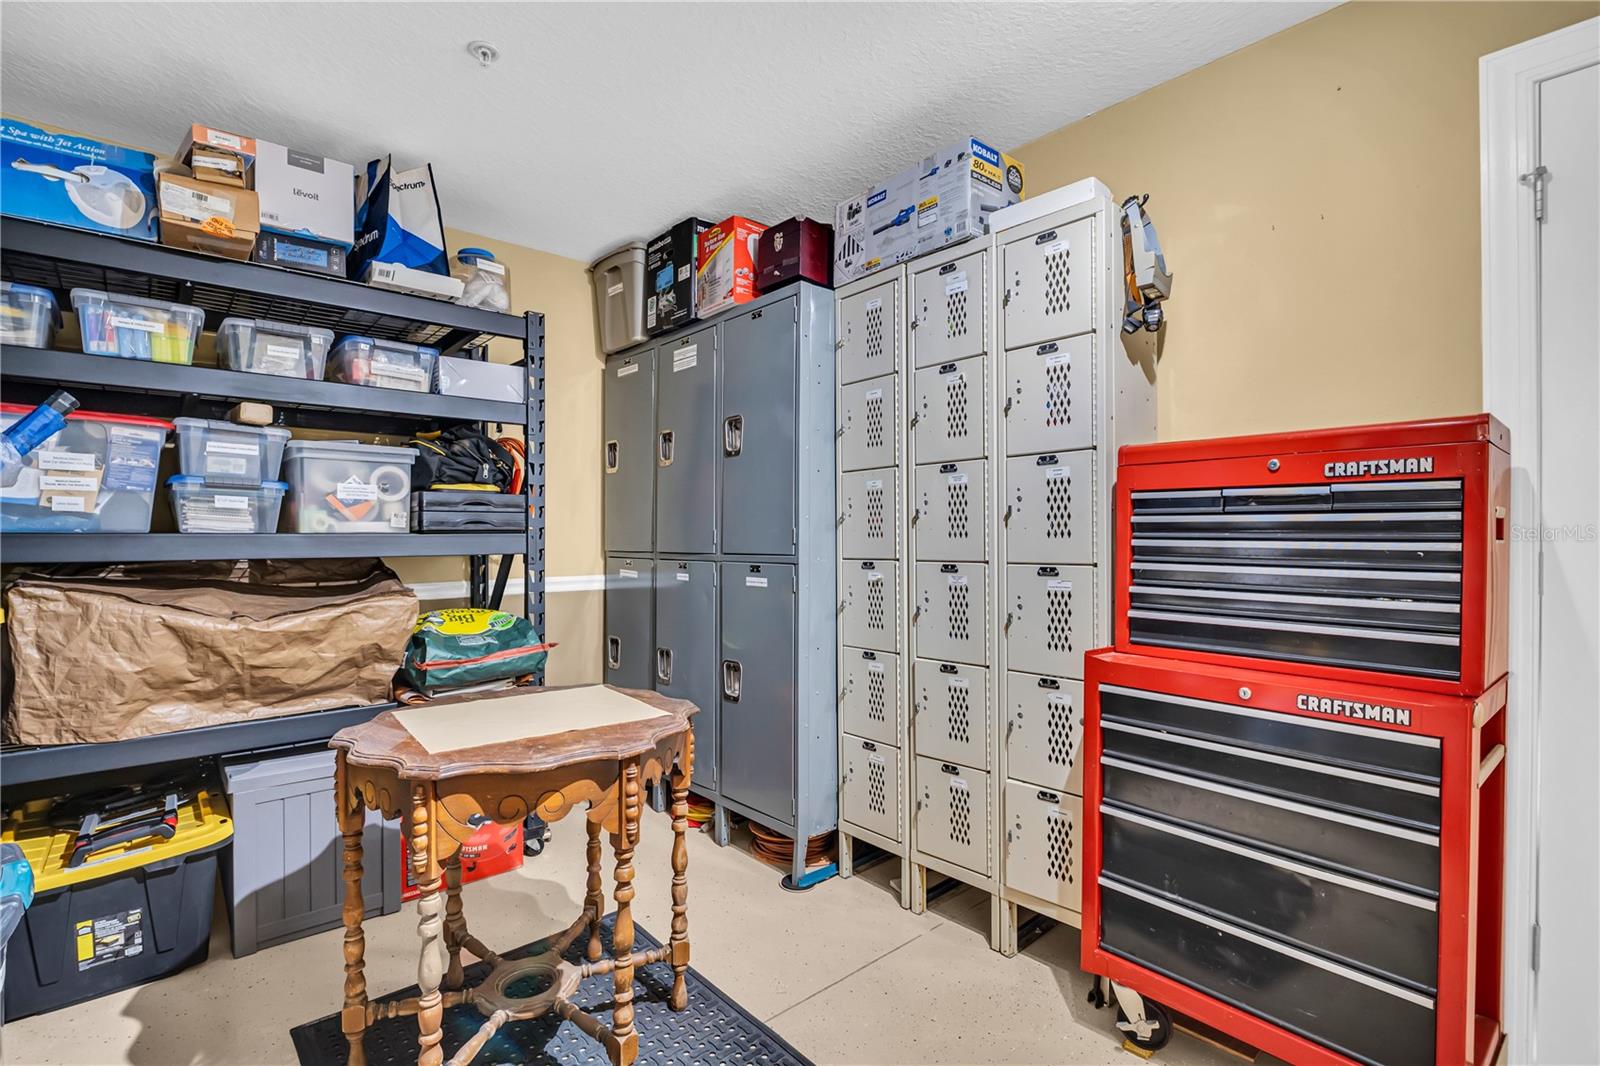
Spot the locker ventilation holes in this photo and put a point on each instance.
(877, 700)
(877, 799)
(1058, 732)
(1056, 286)
(1057, 392)
(1058, 506)
(875, 618)
(1058, 847)
(960, 812)
(1058, 619)
(960, 726)
(875, 512)
(874, 339)
(960, 612)
(956, 405)
(957, 509)
(875, 421)
(955, 314)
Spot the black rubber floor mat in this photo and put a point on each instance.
(714, 1029)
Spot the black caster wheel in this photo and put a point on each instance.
(1161, 1032)
(1097, 995)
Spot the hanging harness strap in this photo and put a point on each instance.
(1147, 279)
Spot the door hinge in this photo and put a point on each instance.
(1533, 950)
(1536, 180)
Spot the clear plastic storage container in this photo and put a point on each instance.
(97, 475)
(225, 453)
(203, 508)
(28, 315)
(263, 347)
(132, 327)
(485, 283)
(345, 487)
(385, 364)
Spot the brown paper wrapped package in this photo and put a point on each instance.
(137, 650)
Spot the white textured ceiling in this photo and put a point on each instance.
(603, 123)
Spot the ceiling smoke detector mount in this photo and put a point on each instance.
(484, 52)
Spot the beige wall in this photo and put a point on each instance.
(1317, 199)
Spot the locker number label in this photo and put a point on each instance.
(630, 574)
(1055, 473)
(684, 358)
(957, 479)
(958, 579)
(955, 283)
(1065, 585)
(1056, 360)
(875, 303)
(755, 582)
(876, 483)
(874, 394)
(681, 577)
(624, 371)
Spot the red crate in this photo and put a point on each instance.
(493, 849)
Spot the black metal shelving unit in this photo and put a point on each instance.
(62, 259)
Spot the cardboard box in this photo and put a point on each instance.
(300, 253)
(946, 198)
(669, 262)
(65, 178)
(410, 279)
(725, 268)
(203, 216)
(795, 250)
(305, 195)
(219, 157)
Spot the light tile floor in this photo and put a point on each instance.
(841, 972)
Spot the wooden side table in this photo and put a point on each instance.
(443, 796)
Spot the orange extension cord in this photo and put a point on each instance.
(519, 473)
(778, 850)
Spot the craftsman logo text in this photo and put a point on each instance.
(1361, 712)
(1416, 464)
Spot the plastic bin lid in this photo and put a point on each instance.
(266, 325)
(348, 449)
(633, 249)
(378, 342)
(252, 773)
(476, 253)
(136, 301)
(95, 416)
(186, 424)
(16, 289)
(194, 480)
(202, 822)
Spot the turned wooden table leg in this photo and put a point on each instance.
(430, 929)
(624, 1043)
(352, 820)
(679, 941)
(595, 897)
(455, 924)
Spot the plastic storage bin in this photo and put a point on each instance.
(345, 487)
(280, 348)
(619, 297)
(97, 475)
(485, 283)
(28, 315)
(132, 327)
(481, 380)
(385, 364)
(225, 453)
(134, 912)
(203, 508)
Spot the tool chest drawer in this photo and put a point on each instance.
(869, 786)
(951, 703)
(869, 694)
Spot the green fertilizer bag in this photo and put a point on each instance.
(470, 646)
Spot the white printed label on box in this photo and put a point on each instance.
(280, 356)
(66, 461)
(650, 311)
(69, 503)
(408, 377)
(231, 503)
(756, 582)
(400, 520)
(236, 465)
(144, 324)
(1063, 585)
(194, 204)
(228, 447)
(956, 283)
(1055, 473)
(684, 358)
(928, 212)
(630, 574)
(874, 303)
(683, 272)
(212, 162)
(956, 479)
(630, 368)
(68, 483)
(354, 490)
(612, 290)
(681, 577)
(1057, 359)
(223, 140)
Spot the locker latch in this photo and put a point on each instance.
(664, 458)
(614, 652)
(733, 435)
(732, 679)
(613, 451)
(664, 665)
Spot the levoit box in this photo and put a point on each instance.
(945, 198)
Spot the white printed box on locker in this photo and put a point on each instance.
(1049, 401)
(869, 333)
(950, 612)
(1048, 284)
(869, 436)
(951, 712)
(1044, 835)
(950, 516)
(1050, 618)
(949, 305)
(869, 694)
(869, 604)
(869, 513)
(1051, 508)
(869, 786)
(1044, 731)
(950, 410)
(953, 814)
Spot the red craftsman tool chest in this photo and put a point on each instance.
(1375, 554)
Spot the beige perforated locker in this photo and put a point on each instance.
(952, 817)
(1048, 402)
(867, 420)
(950, 411)
(1043, 835)
(1050, 618)
(949, 615)
(869, 513)
(869, 595)
(1047, 284)
(869, 694)
(869, 332)
(950, 508)
(1044, 731)
(949, 710)
(948, 305)
(1049, 511)
(869, 786)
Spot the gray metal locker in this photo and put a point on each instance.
(950, 516)
(950, 612)
(869, 604)
(948, 307)
(950, 411)
(630, 599)
(869, 694)
(688, 444)
(869, 333)
(869, 513)
(1044, 731)
(1049, 508)
(686, 660)
(868, 420)
(1050, 616)
(628, 416)
(869, 786)
(758, 430)
(1048, 284)
(758, 686)
(953, 813)
(950, 711)
(1043, 836)
(1048, 404)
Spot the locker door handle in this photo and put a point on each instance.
(614, 652)
(1007, 408)
(613, 456)
(732, 680)
(733, 435)
(1006, 518)
(664, 665)
(665, 448)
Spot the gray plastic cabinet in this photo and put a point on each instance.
(686, 652)
(628, 422)
(630, 621)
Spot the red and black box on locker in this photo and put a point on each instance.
(797, 250)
